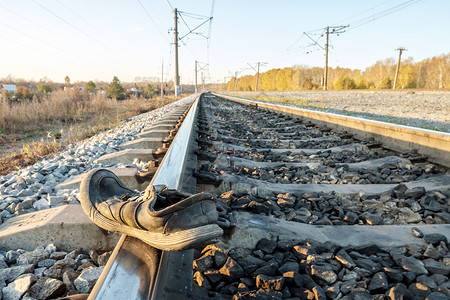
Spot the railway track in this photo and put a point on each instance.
(303, 196)
(311, 211)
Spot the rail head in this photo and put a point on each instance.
(139, 271)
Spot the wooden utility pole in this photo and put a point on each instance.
(177, 77)
(400, 50)
(325, 71)
(162, 78)
(257, 77)
(334, 30)
(203, 83)
(196, 90)
(257, 72)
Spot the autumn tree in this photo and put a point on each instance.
(90, 86)
(431, 73)
(386, 83)
(344, 83)
(23, 92)
(115, 89)
(148, 91)
(67, 80)
(44, 88)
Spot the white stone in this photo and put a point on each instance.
(15, 290)
(85, 282)
(55, 200)
(41, 204)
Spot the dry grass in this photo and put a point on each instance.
(29, 155)
(32, 129)
(57, 106)
(284, 100)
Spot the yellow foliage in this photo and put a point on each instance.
(431, 73)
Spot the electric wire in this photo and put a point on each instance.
(195, 16)
(382, 14)
(153, 21)
(181, 15)
(91, 26)
(70, 24)
(52, 55)
(50, 45)
(362, 12)
(170, 4)
(35, 23)
(64, 37)
(359, 22)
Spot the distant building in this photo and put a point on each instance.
(11, 88)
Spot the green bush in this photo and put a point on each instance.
(386, 83)
(116, 90)
(344, 83)
(44, 88)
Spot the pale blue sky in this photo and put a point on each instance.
(89, 40)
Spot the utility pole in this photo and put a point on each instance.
(196, 77)
(162, 79)
(400, 50)
(257, 77)
(334, 30)
(235, 80)
(203, 83)
(198, 68)
(177, 79)
(257, 72)
(325, 71)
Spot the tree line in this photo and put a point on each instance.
(27, 90)
(430, 73)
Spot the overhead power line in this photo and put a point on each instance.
(64, 37)
(153, 21)
(52, 55)
(50, 45)
(70, 24)
(315, 42)
(362, 21)
(95, 28)
(382, 14)
(347, 19)
(193, 30)
(170, 4)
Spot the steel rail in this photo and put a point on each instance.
(139, 271)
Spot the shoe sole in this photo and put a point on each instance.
(176, 241)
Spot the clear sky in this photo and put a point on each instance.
(96, 40)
